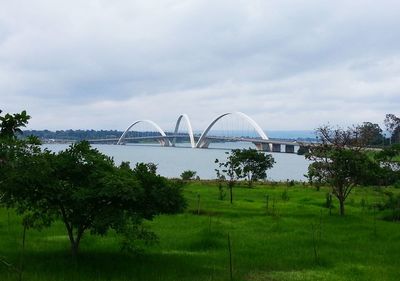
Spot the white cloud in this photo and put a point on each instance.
(288, 64)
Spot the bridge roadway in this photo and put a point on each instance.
(273, 145)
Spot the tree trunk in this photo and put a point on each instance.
(74, 249)
(75, 243)
(21, 262)
(231, 191)
(341, 202)
(74, 240)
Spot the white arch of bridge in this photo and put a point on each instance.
(202, 142)
(164, 142)
(190, 129)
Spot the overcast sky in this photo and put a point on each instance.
(287, 64)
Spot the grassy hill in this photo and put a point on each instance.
(295, 239)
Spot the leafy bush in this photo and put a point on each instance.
(188, 175)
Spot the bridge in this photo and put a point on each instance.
(262, 142)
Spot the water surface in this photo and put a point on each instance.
(172, 161)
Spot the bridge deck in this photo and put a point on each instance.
(228, 139)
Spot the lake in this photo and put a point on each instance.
(172, 161)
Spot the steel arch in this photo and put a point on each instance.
(158, 128)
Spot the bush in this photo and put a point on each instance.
(285, 195)
(393, 204)
(188, 175)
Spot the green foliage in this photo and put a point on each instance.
(135, 236)
(392, 204)
(249, 164)
(188, 175)
(160, 194)
(303, 150)
(84, 189)
(252, 164)
(11, 124)
(371, 133)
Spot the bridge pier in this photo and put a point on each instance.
(276, 147)
(164, 142)
(263, 146)
(289, 148)
(204, 144)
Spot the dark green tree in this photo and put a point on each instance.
(10, 146)
(11, 124)
(84, 189)
(252, 164)
(248, 164)
(188, 175)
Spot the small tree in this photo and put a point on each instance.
(228, 170)
(243, 163)
(252, 164)
(338, 160)
(188, 175)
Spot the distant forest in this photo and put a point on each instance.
(73, 134)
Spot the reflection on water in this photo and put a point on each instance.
(172, 161)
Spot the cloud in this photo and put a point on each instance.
(288, 64)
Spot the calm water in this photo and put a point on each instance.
(171, 162)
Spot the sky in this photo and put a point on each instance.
(290, 65)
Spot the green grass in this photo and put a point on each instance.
(265, 246)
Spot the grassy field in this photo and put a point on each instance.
(276, 245)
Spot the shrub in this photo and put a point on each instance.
(188, 175)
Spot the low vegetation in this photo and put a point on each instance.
(294, 239)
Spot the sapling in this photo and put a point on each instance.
(198, 203)
(329, 202)
(230, 258)
(315, 242)
(21, 260)
(221, 191)
(285, 195)
(277, 218)
(375, 228)
(316, 232)
(273, 206)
